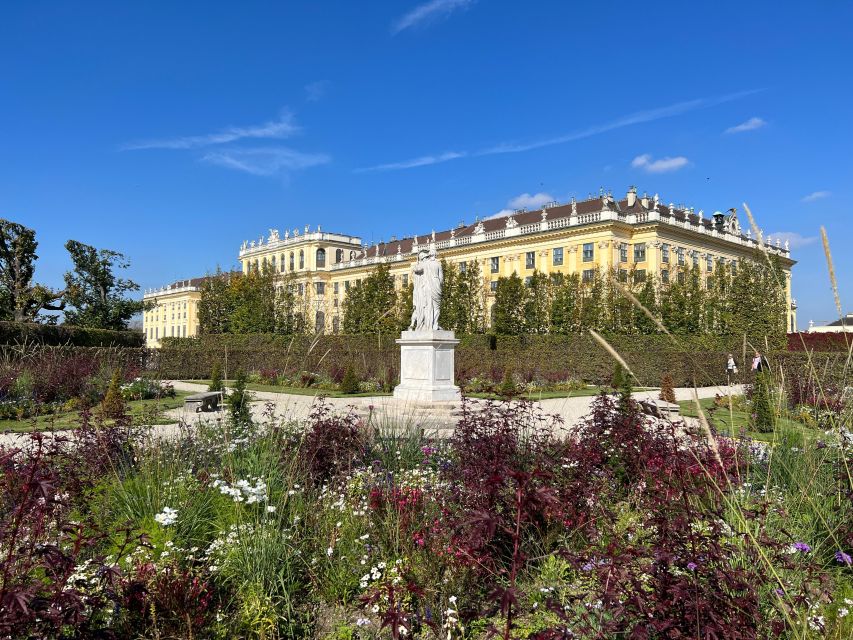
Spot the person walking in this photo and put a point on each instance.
(760, 363)
(731, 369)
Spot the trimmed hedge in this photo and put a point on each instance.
(549, 357)
(17, 333)
(804, 341)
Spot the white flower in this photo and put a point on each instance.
(842, 612)
(330, 551)
(362, 622)
(270, 509)
(167, 516)
(365, 536)
(452, 599)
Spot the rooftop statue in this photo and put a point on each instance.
(427, 279)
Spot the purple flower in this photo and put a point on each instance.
(844, 558)
(692, 566)
(587, 567)
(802, 547)
(779, 592)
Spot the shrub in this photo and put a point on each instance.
(333, 445)
(349, 383)
(239, 400)
(216, 378)
(667, 393)
(113, 405)
(507, 388)
(761, 416)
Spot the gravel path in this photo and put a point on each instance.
(386, 411)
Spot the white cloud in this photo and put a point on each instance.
(500, 214)
(661, 165)
(527, 201)
(816, 195)
(638, 117)
(795, 240)
(314, 91)
(265, 161)
(750, 125)
(416, 162)
(428, 12)
(274, 129)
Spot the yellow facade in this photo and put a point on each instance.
(172, 312)
(637, 234)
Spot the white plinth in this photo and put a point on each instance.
(426, 366)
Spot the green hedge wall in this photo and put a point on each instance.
(16, 333)
(548, 357)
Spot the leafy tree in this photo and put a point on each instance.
(349, 383)
(593, 313)
(761, 417)
(536, 303)
(22, 300)
(508, 308)
(97, 297)
(371, 306)
(462, 299)
(239, 400)
(647, 296)
(566, 303)
(216, 304)
(216, 378)
(253, 297)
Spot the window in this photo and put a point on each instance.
(530, 259)
(588, 252)
(335, 303)
(281, 263)
(588, 275)
(734, 266)
(623, 252)
(321, 288)
(640, 275)
(463, 266)
(301, 259)
(346, 285)
(157, 333)
(272, 262)
(623, 275)
(496, 265)
(336, 287)
(681, 277)
(680, 256)
(527, 280)
(640, 252)
(319, 321)
(300, 288)
(664, 253)
(405, 280)
(696, 259)
(339, 255)
(291, 261)
(557, 257)
(321, 258)
(664, 276)
(709, 283)
(336, 324)
(493, 285)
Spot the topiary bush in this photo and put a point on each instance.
(349, 383)
(667, 393)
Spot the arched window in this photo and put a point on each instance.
(272, 261)
(339, 255)
(291, 261)
(321, 258)
(282, 263)
(336, 324)
(352, 255)
(301, 259)
(320, 322)
(256, 265)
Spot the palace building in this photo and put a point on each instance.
(636, 234)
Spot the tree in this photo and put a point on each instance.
(536, 303)
(371, 306)
(93, 291)
(508, 309)
(216, 304)
(20, 299)
(253, 297)
(565, 303)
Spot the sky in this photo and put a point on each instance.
(173, 131)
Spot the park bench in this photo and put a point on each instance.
(206, 401)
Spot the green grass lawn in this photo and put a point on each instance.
(736, 422)
(138, 409)
(299, 391)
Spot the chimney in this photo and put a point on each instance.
(645, 200)
(632, 196)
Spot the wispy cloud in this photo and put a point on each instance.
(283, 127)
(661, 165)
(816, 195)
(794, 239)
(428, 12)
(314, 91)
(416, 162)
(750, 125)
(265, 161)
(638, 117)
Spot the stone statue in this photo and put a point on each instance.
(574, 207)
(427, 278)
(273, 235)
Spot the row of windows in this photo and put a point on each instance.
(174, 332)
(290, 260)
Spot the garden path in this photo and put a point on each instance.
(386, 411)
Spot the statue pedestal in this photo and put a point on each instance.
(426, 367)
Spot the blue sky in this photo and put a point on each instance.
(173, 131)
